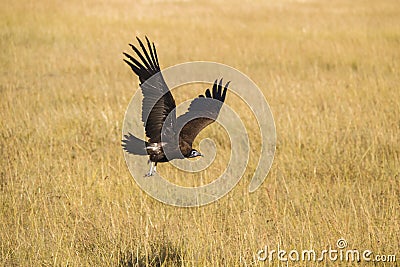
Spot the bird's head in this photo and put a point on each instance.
(194, 153)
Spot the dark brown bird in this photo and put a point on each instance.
(169, 137)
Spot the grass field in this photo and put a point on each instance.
(330, 71)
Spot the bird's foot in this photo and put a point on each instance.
(153, 169)
(150, 174)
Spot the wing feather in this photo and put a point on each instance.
(203, 111)
(157, 98)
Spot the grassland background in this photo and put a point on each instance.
(330, 72)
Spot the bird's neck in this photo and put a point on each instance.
(185, 148)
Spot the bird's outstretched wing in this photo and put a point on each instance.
(203, 111)
(157, 98)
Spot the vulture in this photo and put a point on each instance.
(169, 137)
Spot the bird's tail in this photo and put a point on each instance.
(134, 145)
(149, 65)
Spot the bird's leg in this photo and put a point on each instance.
(152, 169)
(155, 167)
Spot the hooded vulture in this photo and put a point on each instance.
(169, 137)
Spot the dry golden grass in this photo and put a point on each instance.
(330, 71)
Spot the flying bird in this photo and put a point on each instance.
(169, 137)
